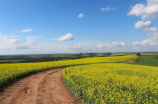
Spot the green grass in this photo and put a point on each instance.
(148, 54)
(147, 60)
(119, 54)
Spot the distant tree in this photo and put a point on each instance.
(138, 54)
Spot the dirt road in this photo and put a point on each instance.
(42, 88)
(132, 60)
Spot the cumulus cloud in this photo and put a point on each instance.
(152, 2)
(136, 43)
(26, 30)
(95, 47)
(123, 44)
(31, 41)
(67, 37)
(150, 42)
(80, 15)
(107, 8)
(115, 45)
(13, 47)
(4, 39)
(100, 46)
(142, 24)
(14, 41)
(118, 44)
(145, 11)
(148, 11)
(151, 29)
(10, 45)
(10, 41)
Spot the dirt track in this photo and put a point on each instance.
(132, 60)
(42, 88)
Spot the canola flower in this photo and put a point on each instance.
(9, 72)
(113, 83)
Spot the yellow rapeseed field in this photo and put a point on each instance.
(113, 83)
(9, 72)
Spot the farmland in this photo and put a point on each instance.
(147, 60)
(47, 57)
(150, 54)
(10, 72)
(113, 83)
(120, 54)
(97, 80)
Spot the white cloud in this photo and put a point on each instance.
(4, 39)
(136, 43)
(10, 41)
(31, 41)
(76, 47)
(142, 24)
(105, 9)
(0, 33)
(67, 37)
(152, 2)
(118, 44)
(80, 15)
(145, 11)
(26, 30)
(115, 45)
(150, 42)
(123, 44)
(100, 46)
(14, 41)
(95, 47)
(13, 48)
(8, 46)
(148, 11)
(153, 41)
(151, 29)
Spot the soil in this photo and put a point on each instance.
(44, 87)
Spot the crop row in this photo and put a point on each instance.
(9, 72)
(113, 83)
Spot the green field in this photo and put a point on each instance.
(120, 54)
(147, 60)
(149, 54)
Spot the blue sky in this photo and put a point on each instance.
(74, 26)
